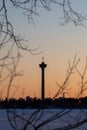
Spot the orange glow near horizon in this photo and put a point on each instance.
(30, 83)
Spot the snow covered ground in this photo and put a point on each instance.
(71, 117)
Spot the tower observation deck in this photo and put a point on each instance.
(43, 66)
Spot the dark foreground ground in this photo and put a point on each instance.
(47, 103)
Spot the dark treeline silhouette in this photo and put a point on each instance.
(47, 103)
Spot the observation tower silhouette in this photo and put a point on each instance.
(43, 66)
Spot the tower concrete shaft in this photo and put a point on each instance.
(43, 66)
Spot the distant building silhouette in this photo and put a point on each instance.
(43, 66)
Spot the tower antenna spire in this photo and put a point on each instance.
(42, 59)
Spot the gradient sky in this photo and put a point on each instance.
(58, 43)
